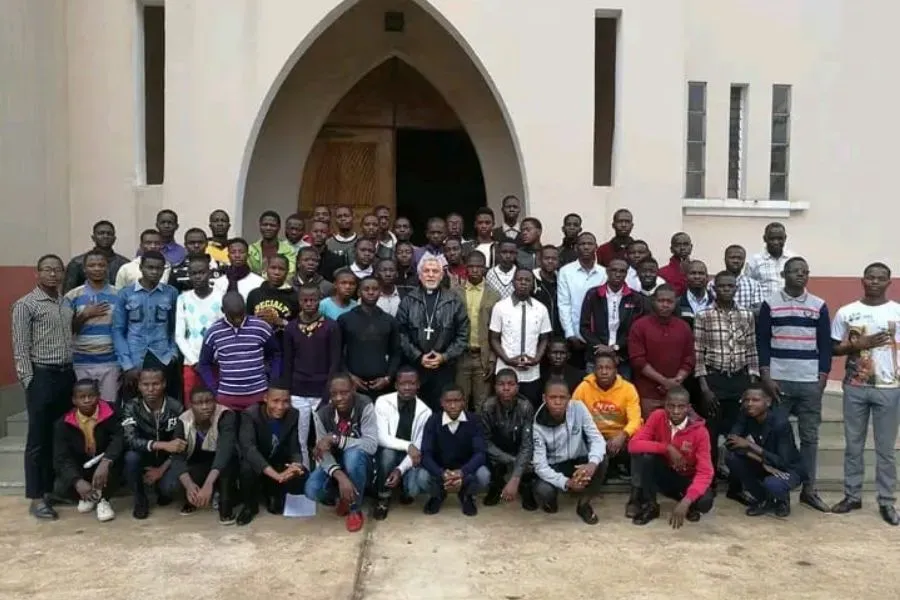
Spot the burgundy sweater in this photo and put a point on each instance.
(309, 361)
(667, 347)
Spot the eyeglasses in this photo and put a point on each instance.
(52, 270)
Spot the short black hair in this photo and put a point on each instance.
(452, 389)
(307, 250)
(101, 223)
(555, 380)
(295, 217)
(773, 225)
(509, 197)
(558, 339)
(877, 265)
(152, 255)
(287, 261)
(270, 214)
(147, 232)
(194, 230)
(604, 355)
(523, 270)
(48, 257)
(507, 241)
(722, 274)
(366, 278)
(588, 233)
(95, 253)
(679, 391)
(403, 243)
(736, 247)
(792, 260)
(534, 221)
(477, 255)
(342, 272)
(406, 370)
(309, 288)
(620, 211)
(199, 257)
(199, 390)
(150, 365)
(638, 243)
(678, 233)
(360, 240)
(433, 220)
(340, 375)
(87, 382)
(506, 372)
(485, 210)
(167, 211)
(238, 240)
(546, 247)
(381, 261)
(663, 287)
(649, 260)
(757, 387)
(571, 215)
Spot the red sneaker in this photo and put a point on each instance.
(355, 521)
(343, 509)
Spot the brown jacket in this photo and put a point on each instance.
(488, 299)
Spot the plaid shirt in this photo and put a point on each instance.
(725, 340)
(747, 294)
(41, 333)
(766, 270)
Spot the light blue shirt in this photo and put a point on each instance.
(144, 321)
(573, 283)
(332, 311)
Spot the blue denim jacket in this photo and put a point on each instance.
(144, 321)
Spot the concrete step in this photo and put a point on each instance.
(17, 425)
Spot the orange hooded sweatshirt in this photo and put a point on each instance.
(614, 410)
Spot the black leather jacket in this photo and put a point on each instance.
(142, 427)
(450, 324)
(508, 433)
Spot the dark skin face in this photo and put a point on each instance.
(203, 405)
(453, 251)
(235, 311)
(151, 385)
(549, 260)
(387, 272)
(571, 228)
(85, 399)
(483, 226)
(309, 302)
(195, 242)
(605, 372)
(436, 233)
(623, 223)
(586, 247)
(664, 303)
(775, 239)
(365, 252)
(697, 276)
(269, 228)
(198, 274)
(615, 274)
(530, 234)
(677, 407)
(523, 284)
(556, 397)
(407, 385)
(319, 233)
(152, 271)
(345, 286)
(276, 272)
(369, 227)
(219, 224)
(876, 281)
(151, 242)
(167, 225)
(293, 230)
(756, 404)
(104, 236)
(796, 275)
(369, 292)
(453, 404)
(277, 403)
(307, 264)
(455, 226)
(734, 260)
(506, 255)
(557, 354)
(404, 255)
(512, 208)
(95, 269)
(343, 217)
(237, 255)
(384, 219)
(475, 269)
(647, 273)
(506, 388)
(322, 213)
(340, 394)
(403, 229)
(682, 246)
(637, 253)
(725, 287)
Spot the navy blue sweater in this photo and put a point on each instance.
(464, 450)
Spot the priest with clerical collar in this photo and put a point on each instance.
(434, 331)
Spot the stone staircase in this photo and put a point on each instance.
(831, 450)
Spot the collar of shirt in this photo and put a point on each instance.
(446, 420)
(84, 419)
(799, 299)
(680, 427)
(393, 294)
(42, 296)
(596, 268)
(138, 287)
(345, 240)
(516, 227)
(474, 287)
(360, 271)
(516, 301)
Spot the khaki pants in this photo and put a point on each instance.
(470, 376)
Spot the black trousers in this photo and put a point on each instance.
(67, 490)
(728, 388)
(432, 383)
(657, 476)
(257, 486)
(48, 397)
(225, 484)
(545, 493)
(533, 391)
(501, 472)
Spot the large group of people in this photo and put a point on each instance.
(340, 364)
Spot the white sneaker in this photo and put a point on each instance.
(105, 512)
(86, 506)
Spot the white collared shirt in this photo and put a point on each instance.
(450, 423)
(511, 231)
(520, 325)
(389, 303)
(698, 304)
(680, 427)
(613, 300)
(244, 286)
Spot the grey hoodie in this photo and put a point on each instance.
(555, 442)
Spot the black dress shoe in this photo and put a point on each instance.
(812, 500)
(527, 499)
(246, 516)
(647, 513)
(42, 510)
(141, 508)
(757, 509)
(433, 506)
(492, 498)
(380, 512)
(275, 505)
(406, 500)
(846, 505)
(693, 515)
(633, 507)
(551, 507)
(162, 500)
(469, 508)
(889, 514)
(739, 496)
(782, 509)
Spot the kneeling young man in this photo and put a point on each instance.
(569, 452)
(149, 424)
(209, 431)
(763, 455)
(454, 454)
(87, 444)
(271, 455)
(616, 408)
(671, 451)
(401, 418)
(506, 419)
(346, 440)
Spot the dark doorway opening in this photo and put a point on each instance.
(438, 172)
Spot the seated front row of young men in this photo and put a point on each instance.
(206, 452)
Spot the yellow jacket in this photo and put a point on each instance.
(614, 410)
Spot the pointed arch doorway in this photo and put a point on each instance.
(394, 140)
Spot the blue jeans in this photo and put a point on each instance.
(757, 482)
(136, 462)
(804, 399)
(472, 484)
(320, 487)
(413, 481)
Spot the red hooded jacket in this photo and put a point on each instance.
(692, 441)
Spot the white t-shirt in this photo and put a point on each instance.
(876, 366)
(506, 319)
(244, 286)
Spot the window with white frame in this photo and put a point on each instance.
(695, 170)
(737, 108)
(781, 137)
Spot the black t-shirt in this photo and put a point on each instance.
(407, 413)
(283, 300)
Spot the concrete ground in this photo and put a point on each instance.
(502, 554)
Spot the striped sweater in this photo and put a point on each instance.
(793, 337)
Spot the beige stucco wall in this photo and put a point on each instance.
(75, 97)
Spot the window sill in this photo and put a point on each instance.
(733, 207)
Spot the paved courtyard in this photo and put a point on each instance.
(502, 554)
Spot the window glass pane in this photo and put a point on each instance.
(781, 99)
(695, 127)
(780, 129)
(697, 97)
(779, 159)
(694, 185)
(695, 156)
(778, 187)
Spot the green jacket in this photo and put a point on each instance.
(255, 257)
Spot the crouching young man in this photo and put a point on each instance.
(401, 418)
(454, 454)
(346, 440)
(763, 456)
(671, 451)
(87, 445)
(506, 419)
(207, 464)
(569, 452)
(149, 423)
(271, 455)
